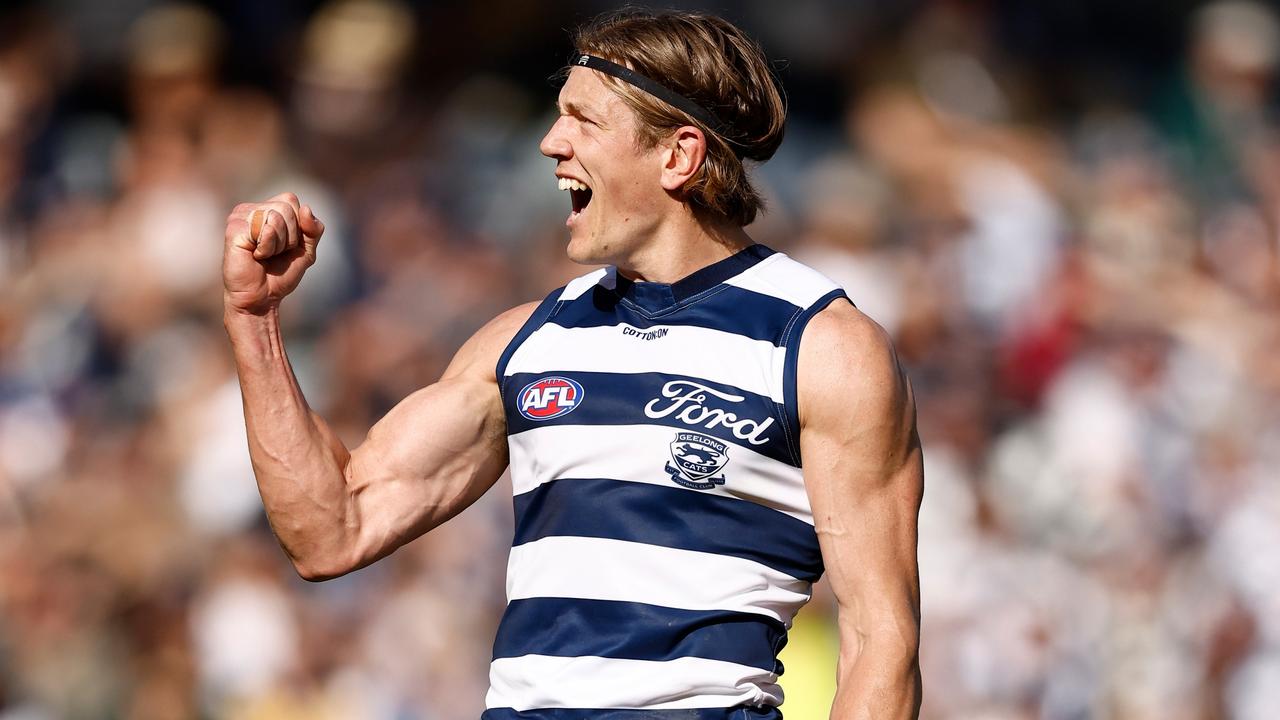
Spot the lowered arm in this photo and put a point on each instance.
(864, 475)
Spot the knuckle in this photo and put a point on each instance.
(287, 198)
(285, 209)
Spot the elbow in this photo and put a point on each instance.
(317, 551)
(893, 644)
(890, 657)
(316, 573)
(899, 645)
(320, 567)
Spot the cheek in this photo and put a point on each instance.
(629, 193)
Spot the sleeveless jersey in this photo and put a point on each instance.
(663, 538)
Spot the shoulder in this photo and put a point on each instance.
(849, 373)
(479, 355)
(858, 417)
(504, 327)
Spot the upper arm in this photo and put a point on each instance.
(434, 453)
(863, 473)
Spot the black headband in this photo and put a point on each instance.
(662, 92)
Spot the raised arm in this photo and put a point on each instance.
(435, 453)
(864, 474)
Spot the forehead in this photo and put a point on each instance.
(586, 90)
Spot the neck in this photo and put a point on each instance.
(682, 247)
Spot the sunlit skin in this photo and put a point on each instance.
(335, 510)
(637, 219)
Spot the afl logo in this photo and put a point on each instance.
(548, 398)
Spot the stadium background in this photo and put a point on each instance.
(1065, 212)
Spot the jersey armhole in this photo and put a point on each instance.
(790, 393)
(540, 315)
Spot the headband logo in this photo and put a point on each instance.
(583, 60)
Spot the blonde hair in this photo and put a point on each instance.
(714, 64)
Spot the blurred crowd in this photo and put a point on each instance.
(1077, 263)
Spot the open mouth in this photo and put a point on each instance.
(579, 194)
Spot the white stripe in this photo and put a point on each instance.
(544, 681)
(752, 365)
(618, 452)
(608, 569)
(781, 277)
(580, 285)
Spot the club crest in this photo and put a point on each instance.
(695, 459)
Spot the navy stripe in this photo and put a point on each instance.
(572, 627)
(534, 322)
(792, 341)
(733, 713)
(620, 399)
(670, 517)
(727, 307)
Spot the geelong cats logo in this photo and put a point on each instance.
(696, 458)
(549, 397)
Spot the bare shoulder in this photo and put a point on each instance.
(479, 355)
(509, 322)
(848, 371)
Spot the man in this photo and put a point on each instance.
(653, 415)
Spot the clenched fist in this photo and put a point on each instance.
(268, 246)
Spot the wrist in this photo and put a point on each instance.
(253, 331)
(233, 312)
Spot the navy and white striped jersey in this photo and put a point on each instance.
(663, 537)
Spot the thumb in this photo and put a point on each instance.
(309, 223)
(243, 241)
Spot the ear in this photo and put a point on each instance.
(683, 154)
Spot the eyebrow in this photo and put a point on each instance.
(572, 108)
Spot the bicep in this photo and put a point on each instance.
(433, 454)
(428, 459)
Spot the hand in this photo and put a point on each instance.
(268, 246)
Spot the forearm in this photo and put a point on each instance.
(297, 459)
(879, 679)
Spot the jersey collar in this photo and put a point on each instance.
(653, 297)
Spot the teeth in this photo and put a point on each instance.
(571, 184)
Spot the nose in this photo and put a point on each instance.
(555, 144)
